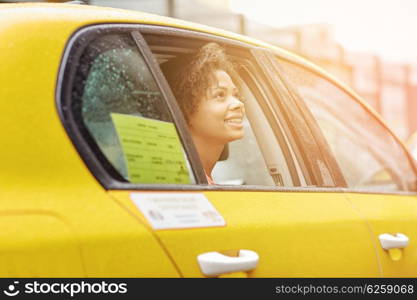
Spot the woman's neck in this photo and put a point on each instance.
(209, 152)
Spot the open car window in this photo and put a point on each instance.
(263, 157)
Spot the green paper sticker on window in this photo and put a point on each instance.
(152, 150)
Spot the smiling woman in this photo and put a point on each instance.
(210, 101)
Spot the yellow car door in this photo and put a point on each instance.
(272, 224)
(294, 234)
(380, 175)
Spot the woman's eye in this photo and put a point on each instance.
(219, 95)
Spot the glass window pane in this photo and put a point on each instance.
(368, 155)
(124, 111)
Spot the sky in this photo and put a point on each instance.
(387, 28)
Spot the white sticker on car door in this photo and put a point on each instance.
(177, 210)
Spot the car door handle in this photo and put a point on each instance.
(389, 241)
(215, 263)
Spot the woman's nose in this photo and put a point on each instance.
(235, 103)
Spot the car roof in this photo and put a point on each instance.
(82, 15)
(77, 16)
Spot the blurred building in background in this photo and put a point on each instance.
(391, 89)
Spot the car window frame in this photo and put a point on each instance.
(112, 180)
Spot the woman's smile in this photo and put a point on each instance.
(235, 121)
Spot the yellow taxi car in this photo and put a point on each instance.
(100, 178)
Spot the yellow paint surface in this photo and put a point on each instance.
(391, 214)
(50, 202)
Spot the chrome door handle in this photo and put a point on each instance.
(389, 241)
(215, 263)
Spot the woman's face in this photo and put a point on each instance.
(219, 117)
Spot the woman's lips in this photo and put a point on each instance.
(235, 122)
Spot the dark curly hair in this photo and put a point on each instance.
(190, 77)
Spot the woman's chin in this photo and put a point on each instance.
(236, 135)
